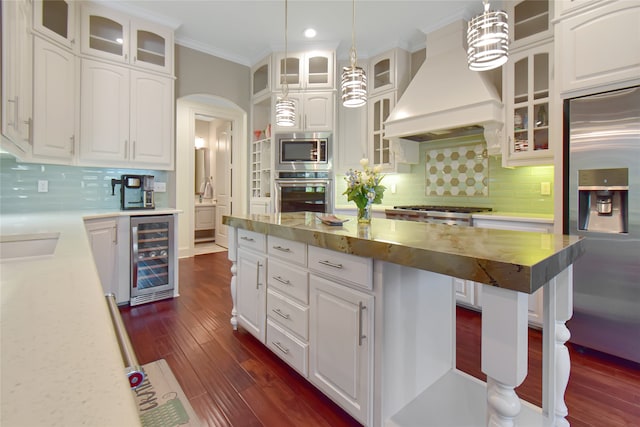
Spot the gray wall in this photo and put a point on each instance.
(201, 73)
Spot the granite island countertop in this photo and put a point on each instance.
(520, 261)
(60, 359)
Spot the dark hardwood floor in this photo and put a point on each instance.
(233, 380)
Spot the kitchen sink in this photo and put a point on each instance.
(27, 246)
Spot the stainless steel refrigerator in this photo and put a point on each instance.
(602, 203)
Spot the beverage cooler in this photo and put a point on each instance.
(152, 258)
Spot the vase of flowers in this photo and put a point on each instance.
(364, 188)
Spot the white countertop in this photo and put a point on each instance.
(61, 363)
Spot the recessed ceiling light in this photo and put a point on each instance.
(310, 33)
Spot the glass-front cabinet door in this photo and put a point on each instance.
(528, 95)
(56, 20)
(380, 146)
(152, 46)
(105, 33)
(291, 73)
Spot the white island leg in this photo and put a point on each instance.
(504, 352)
(556, 364)
(232, 255)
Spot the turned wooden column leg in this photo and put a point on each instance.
(556, 363)
(504, 352)
(232, 255)
(234, 312)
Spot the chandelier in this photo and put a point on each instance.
(285, 107)
(354, 79)
(487, 40)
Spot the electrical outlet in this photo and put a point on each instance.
(545, 188)
(393, 188)
(43, 186)
(160, 187)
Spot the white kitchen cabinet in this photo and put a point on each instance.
(56, 20)
(350, 143)
(598, 48)
(54, 113)
(261, 77)
(103, 237)
(314, 111)
(205, 223)
(341, 344)
(118, 37)
(251, 292)
(126, 117)
(17, 76)
(465, 291)
(392, 156)
(528, 82)
(529, 22)
(389, 71)
(305, 70)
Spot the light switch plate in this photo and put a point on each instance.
(43, 186)
(545, 188)
(160, 187)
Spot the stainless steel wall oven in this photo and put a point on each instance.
(304, 191)
(152, 258)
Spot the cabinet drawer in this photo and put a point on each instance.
(288, 313)
(290, 280)
(352, 269)
(252, 240)
(288, 348)
(288, 250)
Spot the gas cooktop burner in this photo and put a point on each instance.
(454, 209)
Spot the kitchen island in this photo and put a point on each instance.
(411, 369)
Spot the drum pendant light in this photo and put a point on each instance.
(285, 108)
(354, 79)
(488, 40)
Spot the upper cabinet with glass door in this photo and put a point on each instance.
(118, 37)
(55, 19)
(308, 70)
(528, 84)
(261, 78)
(529, 21)
(389, 71)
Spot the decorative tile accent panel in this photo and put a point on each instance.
(70, 187)
(461, 170)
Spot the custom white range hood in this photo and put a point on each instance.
(445, 99)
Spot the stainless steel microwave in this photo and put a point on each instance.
(304, 151)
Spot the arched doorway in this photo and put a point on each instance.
(229, 151)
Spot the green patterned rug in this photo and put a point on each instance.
(160, 400)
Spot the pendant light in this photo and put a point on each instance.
(285, 108)
(354, 79)
(488, 40)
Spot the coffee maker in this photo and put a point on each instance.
(603, 200)
(136, 191)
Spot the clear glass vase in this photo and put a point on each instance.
(364, 215)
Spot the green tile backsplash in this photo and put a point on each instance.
(510, 190)
(70, 187)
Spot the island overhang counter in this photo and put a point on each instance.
(413, 376)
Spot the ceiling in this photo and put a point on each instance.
(245, 31)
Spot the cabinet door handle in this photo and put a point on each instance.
(361, 308)
(72, 140)
(126, 148)
(281, 280)
(330, 264)
(258, 265)
(14, 123)
(29, 123)
(282, 249)
(248, 239)
(281, 314)
(280, 347)
(133, 150)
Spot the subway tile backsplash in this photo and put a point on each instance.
(70, 187)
